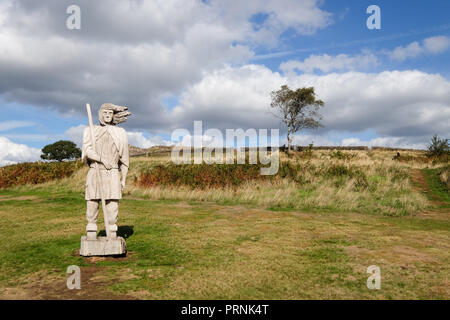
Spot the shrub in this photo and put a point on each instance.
(361, 183)
(204, 176)
(342, 155)
(200, 176)
(307, 152)
(438, 147)
(36, 172)
(336, 170)
(410, 158)
(444, 176)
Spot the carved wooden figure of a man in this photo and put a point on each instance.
(111, 155)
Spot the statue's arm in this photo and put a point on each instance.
(88, 152)
(124, 170)
(124, 159)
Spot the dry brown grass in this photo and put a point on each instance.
(445, 177)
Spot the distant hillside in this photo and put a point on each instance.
(136, 151)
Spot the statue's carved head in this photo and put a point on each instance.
(111, 114)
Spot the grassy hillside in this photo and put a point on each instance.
(360, 181)
(309, 232)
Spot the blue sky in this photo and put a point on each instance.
(39, 125)
(217, 62)
(403, 22)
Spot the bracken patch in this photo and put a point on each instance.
(36, 172)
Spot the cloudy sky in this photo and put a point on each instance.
(173, 62)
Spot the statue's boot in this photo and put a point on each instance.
(91, 231)
(113, 231)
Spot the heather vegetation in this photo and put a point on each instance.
(36, 172)
(373, 181)
(201, 176)
(363, 181)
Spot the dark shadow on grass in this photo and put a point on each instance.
(123, 231)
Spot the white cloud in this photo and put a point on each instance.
(327, 63)
(5, 5)
(197, 50)
(11, 153)
(391, 142)
(409, 104)
(189, 140)
(35, 137)
(363, 61)
(431, 45)
(158, 48)
(138, 139)
(75, 134)
(393, 103)
(305, 17)
(410, 51)
(306, 139)
(437, 44)
(14, 124)
(229, 98)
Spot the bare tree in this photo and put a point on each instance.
(297, 109)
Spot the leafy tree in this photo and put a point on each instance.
(297, 109)
(60, 151)
(438, 147)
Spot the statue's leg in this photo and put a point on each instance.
(113, 211)
(91, 216)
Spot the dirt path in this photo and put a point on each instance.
(420, 183)
(419, 180)
(94, 286)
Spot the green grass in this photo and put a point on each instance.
(198, 250)
(311, 238)
(439, 191)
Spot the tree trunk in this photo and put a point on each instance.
(288, 151)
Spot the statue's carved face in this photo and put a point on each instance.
(107, 115)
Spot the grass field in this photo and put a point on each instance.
(280, 239)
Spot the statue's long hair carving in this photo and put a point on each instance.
(120, 113)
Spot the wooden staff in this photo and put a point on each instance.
(97, 170)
